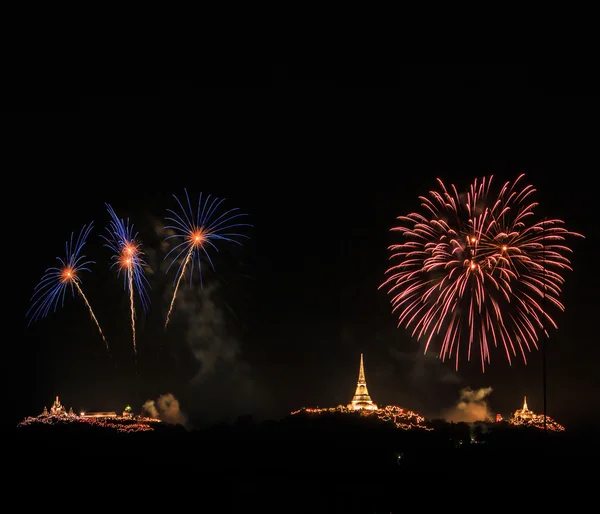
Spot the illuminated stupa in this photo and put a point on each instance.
(524, 413)
(362, 400)
(362, 405)
(57, 409)
(527, 418)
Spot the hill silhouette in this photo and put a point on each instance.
(329, 443)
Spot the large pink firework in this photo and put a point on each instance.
(474, 270)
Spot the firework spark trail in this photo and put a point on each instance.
(129, 258)
(475, 268)
(186, 262)
(76, 284)
(132, 306)
(53, 286)
(198, 232)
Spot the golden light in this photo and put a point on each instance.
(397, 416)
(129, 249)
(125, 261)
(197, 237)
(473, 239)
(127, 254)
(68, 274)
(473, 265)
(504, 248)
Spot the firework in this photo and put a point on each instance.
(51, 289)
(474, 269)
(129, 260)
(197, 233)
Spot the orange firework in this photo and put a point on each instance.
(127, 255)
(197, 237)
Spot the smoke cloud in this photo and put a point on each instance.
(223, 387)
(471, 407)
(166, 408)
(206, 333)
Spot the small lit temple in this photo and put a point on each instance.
(57, 409)
(57, 415)
(362, 400)
(524, 413)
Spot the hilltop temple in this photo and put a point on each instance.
(528, 418)
(362, 400)
(524, 413)
(57, 409)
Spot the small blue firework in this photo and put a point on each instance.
(198, 232)
(128, 256)
(52, 288)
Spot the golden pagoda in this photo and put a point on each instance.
(362, 400)
(524, 413)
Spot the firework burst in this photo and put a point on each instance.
(51, 289)
(197, 233)
(474, 269)
(129, 260)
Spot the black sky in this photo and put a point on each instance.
(322, 172)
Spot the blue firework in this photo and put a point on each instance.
(201, 231)
(128, 256)
(52, 288)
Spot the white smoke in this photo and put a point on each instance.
(206, 332)
(167, 409)
(223, 386)
(471, 407)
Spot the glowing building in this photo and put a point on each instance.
(56, 410)
(98, 414)
(527, 418)
(362, 400)
(524, 413)
(362, 405)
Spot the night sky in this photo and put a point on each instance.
(322, 172)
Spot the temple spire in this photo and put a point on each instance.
(361, 399)
(361, 372)
(524, 413)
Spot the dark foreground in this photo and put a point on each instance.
(324, 447)
(303, 465)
